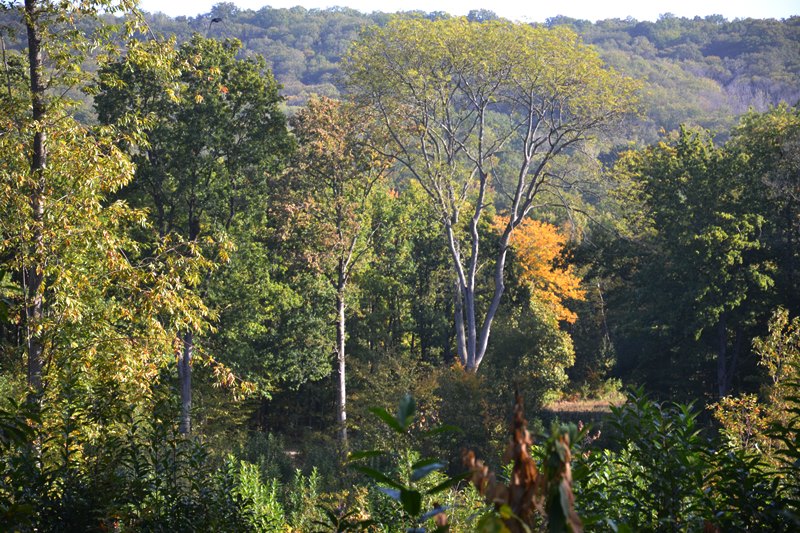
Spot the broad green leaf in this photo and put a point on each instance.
(391, 421)
(412, 501)
(379, 476)
(406, 411)
(363, 454)
(421, 472)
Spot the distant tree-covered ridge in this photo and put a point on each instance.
(701, 70)
(704, 70)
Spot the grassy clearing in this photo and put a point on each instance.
(596, 407)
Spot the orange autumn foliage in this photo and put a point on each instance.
(539, 250)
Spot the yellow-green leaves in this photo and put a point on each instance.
(475, 110)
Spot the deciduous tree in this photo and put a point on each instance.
(477, 108)
(704, 275)
(330, 184)
(213, 131)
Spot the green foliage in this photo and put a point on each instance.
(532, 353)
(138, 476)
(16, 431)
(195, 138)
(255, 503)
(665, 443)
(302, 500)
(471, 403)
(701, 259)
(786, 431)
(667, 477)
(409, 484)
(700, 70)
(269, 452)
(214, 134)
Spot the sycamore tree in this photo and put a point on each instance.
(328, 190)
(483, 112)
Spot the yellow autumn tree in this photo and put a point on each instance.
(539, 250)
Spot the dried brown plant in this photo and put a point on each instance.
(531, 491)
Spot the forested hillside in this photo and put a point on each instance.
(315, 270)
(703, 71)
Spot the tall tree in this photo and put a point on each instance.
(476, 108)
(331, 181)
(702, 269)
(55, 40)
(98, 325)
(769, 145)
(215, 131)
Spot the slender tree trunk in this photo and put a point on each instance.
(606, 332)
(33, 275)
(185, 358)
(790, 245)
(458, 312)
(341, 393)
(722, 356)
(737, 349)
(185, 381)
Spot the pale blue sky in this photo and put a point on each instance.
(530, 10)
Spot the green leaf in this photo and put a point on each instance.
(421, 472)
(506, 512)
(491, 523)
(406, 410)
(424, 462)
(380, 477)
(412, 501)
(363, 454)
(433, 512)
(392, 493)
(384, 415)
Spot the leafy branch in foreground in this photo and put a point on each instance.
(409, 494)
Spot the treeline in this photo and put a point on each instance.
(703, 71)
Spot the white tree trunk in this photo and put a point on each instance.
(341, 392)
(185, 383)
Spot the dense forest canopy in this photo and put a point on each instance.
(291, 270)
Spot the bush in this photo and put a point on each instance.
(666, 476)
(243, 502)
(74, 474)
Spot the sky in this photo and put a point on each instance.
(520, 10)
